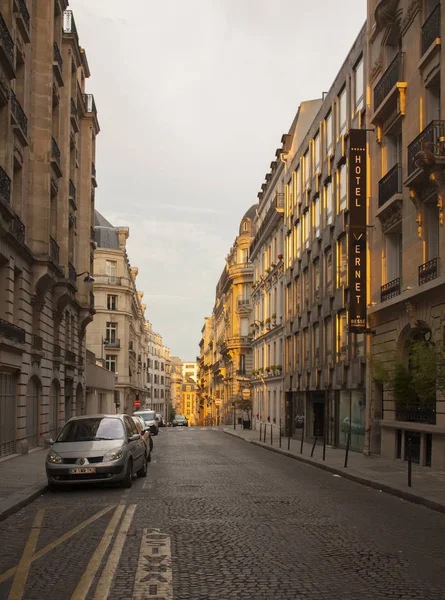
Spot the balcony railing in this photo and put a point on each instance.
(70, 356)
(54, 250)
(390, 185)
(17, 229)
(108, 279)
(6, 41)
(434, 133)
(112, 344)
(19, 114)
(57, 57)
(243, 301)
(71, 273)
(72, 190)
(428, 271)
(431, 29)
(388, 80)
(55, 152)
(5, 186)
(37, 342)
(12, 332)
(416, 414)
(390, 290)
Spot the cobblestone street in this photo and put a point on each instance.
(220, 519)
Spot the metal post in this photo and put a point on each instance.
(313, 447)
(347, 449)
(288, 439)
(261, 430)
(271, 434)
(410, 462)
(280, 433)
(302, 439)
(265, 429)
(324, 446)
(234, 418)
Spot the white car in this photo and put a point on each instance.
(150, 421)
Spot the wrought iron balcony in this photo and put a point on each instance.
(431, 29)
(70, 356)
(71, 273)
(243, 302)
(57, 57)
(416, 414)
(428, 271)
(54, 250)
(55, 157)
(17, 229)
(388, 80)
(19, 114)
(434, 136)
(390, 185)
(72, 190)
(390, 290)
(114, 344)
(37, 342)
(6, 48)
(5, 186)
(12, 332)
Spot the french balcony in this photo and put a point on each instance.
(12, 332)
(113, 344)
(431, 29)
(431, 139)
(55, 158)
(17, 228)
(5, 187)
(72, 273)
(390, 290)
(108, 279)
(390, 185)
(19, 119)
(22, 19)
(390, 95)
(428, 271)
(6, 49)
(74, 116)
(54, 250)
(57, 64)
(416, 414)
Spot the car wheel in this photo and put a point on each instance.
(128, 481)
(143, 470)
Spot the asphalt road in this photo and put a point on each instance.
(220, 519)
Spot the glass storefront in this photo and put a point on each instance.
(352, 418)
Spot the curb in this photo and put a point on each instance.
(408, 496)
(14, 503)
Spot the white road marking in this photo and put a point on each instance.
(154, 571)
(103, 587)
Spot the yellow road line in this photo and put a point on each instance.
(81, 591)
(21, 574)
(103, 587)
(66, 536)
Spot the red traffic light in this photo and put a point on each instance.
(137, 404)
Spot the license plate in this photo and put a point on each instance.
(79, 470)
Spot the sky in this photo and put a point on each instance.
(193, 97)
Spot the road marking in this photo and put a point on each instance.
(103, 587)
(63, 538)
(81, 591)
(154, 571)
(21, 574)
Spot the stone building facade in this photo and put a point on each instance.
(158, 375)
(407, 240)
(48, 128)
(176, 385)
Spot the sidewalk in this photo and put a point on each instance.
(391, 476)
(22, 479)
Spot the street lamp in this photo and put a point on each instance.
(88, 278)
(104, 344)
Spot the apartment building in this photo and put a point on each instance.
(324, 362)
(407, 238)
(158, 375)
(206, 405)
(47, 180)
(176, 385)
(119, 333)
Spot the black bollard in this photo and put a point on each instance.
(324, 447)
(410, 462)
(280, 433)
(271, 436)
(265, 430)
(302, 440)
(347, 450)
(313, 447)
(261, 430)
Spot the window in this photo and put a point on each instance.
(342, 112)
(298, 295)
(316, 217)
(242, 364)
(341, 187)
(188, 388)
(341, 261)
(341, 342)
(307, 170)
(111, 268)
(328, 340)
(162, 380)
(162, 366)
(297, 187)
(316, 279)
(328, 204)
(305, 229)
(317, 152)
(162, 393)
(305, 349)
(297, 239)
(306, 290)
(393, 256)
(111, 302)
(111, 333)
(188, 396)
(148, 377)
(328, 129)
(316, 344)
(431, 217)
(358, 86)
(297, 361)
(110, 362)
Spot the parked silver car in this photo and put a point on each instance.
(96, 448)
(149, 417)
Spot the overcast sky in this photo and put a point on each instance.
(193, 97)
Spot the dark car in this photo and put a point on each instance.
(180, 421)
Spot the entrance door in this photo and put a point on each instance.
(32, 413)
(318, 418)
(8, 414)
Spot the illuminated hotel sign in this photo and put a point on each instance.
(357, 275)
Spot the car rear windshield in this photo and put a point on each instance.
(92, 429)
(147, 416)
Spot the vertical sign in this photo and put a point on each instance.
(357, 231)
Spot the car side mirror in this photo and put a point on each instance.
(134, 438)
(49, 442)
